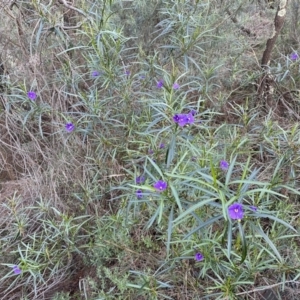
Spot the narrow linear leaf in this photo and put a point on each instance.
(202, 225)
(175, 194)
(269, 242)
(277, 220)
(244, 243)
(171, 151)
(229, 238)
(170, 228)
(193, 208)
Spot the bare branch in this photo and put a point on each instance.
(235, 21)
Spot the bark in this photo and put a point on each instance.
(265, 86)
(278, 24)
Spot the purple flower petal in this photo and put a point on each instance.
(16, 270)
(140, 179)
(199, 256)
(183, 119)
(224, 165)
(31, 95)
(160, 185)
(160, 84)
(294, 56)
(69, 127)
(161, 146)
(95, 74)
(139, 194)
(236, 211)
(176, 118)
(193, 112)
(254, 208)
(176, 86)
(190, 118)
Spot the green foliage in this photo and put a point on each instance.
(82, 217)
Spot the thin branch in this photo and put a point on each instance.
(266, 287)
(235, 21)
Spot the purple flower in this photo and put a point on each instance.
(224, 165)
(190, 118)
(254, 208)
(199, 256)
(16, 270)
(139, 194)
(176, 118)
(127, 72)
(193, 112)
(95, 74)
(294, 56)
(176, 86)
(160, 185)
(160, 84)
(69, 127)
(31, 95)
(183, 119)
(235, 211)
(161, 146)
(140, 179)
(150, 151)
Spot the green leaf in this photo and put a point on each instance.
(170, 228)
(175, 194)
(276, 219)
(244, 243)
(171, 151)
(267, 239)
(204, 224)
(193, 208)
(38, 34)
(229, 238)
